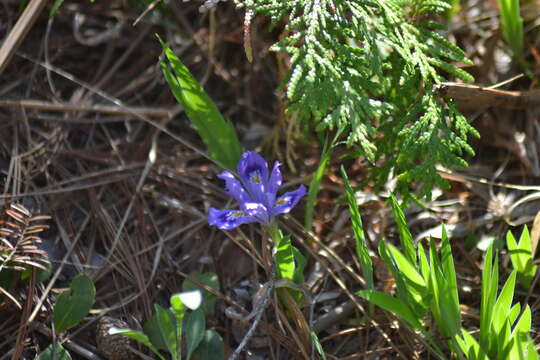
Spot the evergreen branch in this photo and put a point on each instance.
(369, 67)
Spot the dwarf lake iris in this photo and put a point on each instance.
(255, 192)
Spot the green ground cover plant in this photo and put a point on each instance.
(165, 330)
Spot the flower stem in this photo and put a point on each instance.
(269, 242)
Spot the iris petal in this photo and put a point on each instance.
(275, 179)
(253, 171)
(258, 211)
(287, 201)
(229, 219)
(234, 187)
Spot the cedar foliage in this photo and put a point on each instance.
(370, 69)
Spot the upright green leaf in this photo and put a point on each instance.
(414, 282)
(522, 257)
(285, 258)
(404, 233)
(194, 328)
(168, 327)
(290, 263)
(74, 304)
(504, 302)
(512, 25)
(450, 307)
(490, 283)
(362, 251)
(315, 184)
(218, 135)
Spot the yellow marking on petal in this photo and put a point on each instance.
(237, 214)
(282, 201)
(255, 179)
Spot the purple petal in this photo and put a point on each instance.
(257, 210)
(287, 201)
(253, 171)
(275, 179)
(234, 187)
(229, 219)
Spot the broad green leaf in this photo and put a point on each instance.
(391, 304)
(194, 329)
(137, 336)
(300, 264)
(74, 304)
(54, 351)
(290, 264)
(362, 251)
(211, 347)
(404, 234)
(151, 329)
(218, 135)
(209, 279)
(168, 327)
(284, 258)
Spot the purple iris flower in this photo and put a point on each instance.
(256, 192)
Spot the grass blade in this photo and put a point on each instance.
(359, 238)
(315, 183)
(404, 234)
(490, 282)
(512, 25)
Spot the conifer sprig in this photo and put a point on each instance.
(369, 67)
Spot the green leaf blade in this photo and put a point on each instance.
(74, 304)
(218, 135)
(391, 304)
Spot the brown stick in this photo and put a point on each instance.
(104, 109)
(478, 97)
(19, 31)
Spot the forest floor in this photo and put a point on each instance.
(83, 103)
